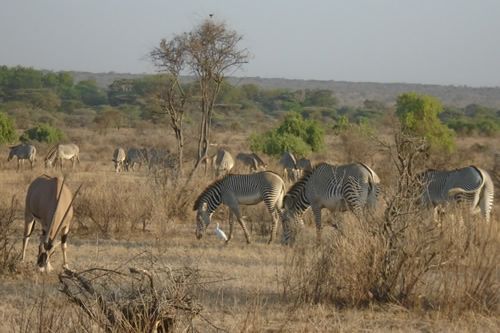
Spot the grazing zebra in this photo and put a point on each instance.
(50, 201)
(135, 157)
(337, 188)
(234, 190)
(119, 159)
(23, 152)
(470, 185)
(223, 162)
(289, 163)
(251, 160)
(61, 152)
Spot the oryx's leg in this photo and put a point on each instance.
(29, 226)
(64, 237)
(317, 219)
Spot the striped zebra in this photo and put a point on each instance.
(234, 190)
(471, 185)
(61, 152)
(350, 187)
(23, 152)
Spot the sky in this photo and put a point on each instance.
(450, 42)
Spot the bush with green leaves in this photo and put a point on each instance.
(419, 116)
(43, 133)
(296, 134)
(7, 130)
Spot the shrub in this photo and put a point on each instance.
(7, 130)
(419, 116)
(43, 133)
(296, 134)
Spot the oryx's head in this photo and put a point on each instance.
(203, 218)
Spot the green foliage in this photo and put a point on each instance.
(473, 119)
(43, 133)
(7, 130)
(90, 94)
(419, 116)
(296, 134)
(341, 125)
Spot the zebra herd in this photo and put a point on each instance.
(137, 157)
(351, 187)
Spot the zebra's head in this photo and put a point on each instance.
(203, 218)
(291, 223)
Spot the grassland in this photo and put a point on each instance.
(127, 219)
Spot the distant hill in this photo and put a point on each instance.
(348, 93)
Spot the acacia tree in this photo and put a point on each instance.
(209, 52)
(213, 52)
(170, 57)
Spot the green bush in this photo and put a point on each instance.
(43, 133)
(295, 135)
(7, 130)
(419, 116)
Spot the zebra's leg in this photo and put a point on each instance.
(274, 225)
(231, 224)
(29, 226)
(236, 211)
(317, 219)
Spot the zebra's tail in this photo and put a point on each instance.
(485, 196)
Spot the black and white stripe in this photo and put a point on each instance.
(338, 188)
(234, 190)
(470, 185)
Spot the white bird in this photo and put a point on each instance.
(220, 234)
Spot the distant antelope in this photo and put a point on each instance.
(49, 201)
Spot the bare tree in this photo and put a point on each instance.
(170, 58)
(213, 52)
(209, 52)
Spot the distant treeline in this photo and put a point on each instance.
(32, 96)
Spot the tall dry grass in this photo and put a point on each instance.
(404, 257)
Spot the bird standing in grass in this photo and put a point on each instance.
(220, 234)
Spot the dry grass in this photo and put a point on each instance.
(259, 287)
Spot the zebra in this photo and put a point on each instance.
(289, 163)
(470, 185)
(234, 190)
(135, 157)
(119, 159)
(302, 165)
(252, 161)
(161, 158)
(62, 151)
(338, 188)
(223, 162)
(23, 152)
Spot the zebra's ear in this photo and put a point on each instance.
(204, 207)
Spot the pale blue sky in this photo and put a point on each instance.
(425, 41)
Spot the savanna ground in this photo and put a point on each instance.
(145, 219)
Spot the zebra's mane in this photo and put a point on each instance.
(298, 187)
(207, 191)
